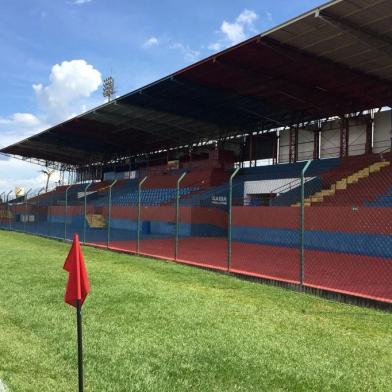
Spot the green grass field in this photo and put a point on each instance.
(156, 326)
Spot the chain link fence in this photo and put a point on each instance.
(202, 221)
(324, 224)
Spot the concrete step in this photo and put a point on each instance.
(341, 184)
(299, 205)
(327, 192)
(363, 173)
(315, 199)
(352, 179)
(377, 166)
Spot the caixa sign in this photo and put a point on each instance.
(221, 200)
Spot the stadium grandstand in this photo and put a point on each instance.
(269, 159)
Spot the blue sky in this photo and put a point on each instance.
(135, 41)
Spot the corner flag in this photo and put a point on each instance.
(75, 294)
(77, 286)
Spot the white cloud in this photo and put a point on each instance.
(189, 54)
(246, 17)
(27, 119)
(18, 126)
(71, 82)
(231, 33)
(152, 41)
(69, 92)
(80, 2)
(16, 173)
(234, 32)
(215, 46)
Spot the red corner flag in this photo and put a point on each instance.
(77, 286)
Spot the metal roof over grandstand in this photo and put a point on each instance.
(333, 60)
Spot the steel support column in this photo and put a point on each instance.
(9, 211)
(24, 222)
(110, 212)
(344, 137)
(293, 144)
(38, 207)
(369, 135)
(251, 150)
(139, 200)
(274, 150)
(66, 212)
(230, 218)
(316, 143)
(178, 215)
(302, 237)
(85, 211)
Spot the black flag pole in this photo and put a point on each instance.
(75, 293)
(80, 343)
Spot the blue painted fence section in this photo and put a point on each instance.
(353, 243)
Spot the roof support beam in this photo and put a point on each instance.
(371, 39)
(160, 120)
(347, 74)
(293, 90)
(236, 101)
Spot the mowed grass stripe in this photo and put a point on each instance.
(156, 326)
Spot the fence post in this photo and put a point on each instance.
(49, 215)
(302, 239)
(66, 212)
(139, 200)
(38, 195)
(24, 222)
(230, 217)
(110, 211)
(9, 211)
(177, 214)
(85, 211)
(3, 212)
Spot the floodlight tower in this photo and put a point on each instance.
(108, 88)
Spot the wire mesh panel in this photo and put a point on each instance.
(95, 222)
(3, 214)
(158, 216)
(51, 203)
(29, 215)
(35, 207)
(124, 212)
(38, 213)
(18, 209)
(15, 211)
(6, 212)
(74, 211)
(348, 241)
(43, 204)
(202, 229)
(56, 213)
(266, 222)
